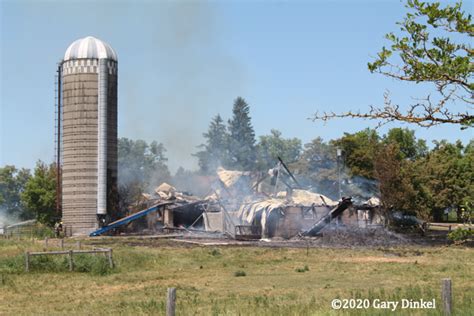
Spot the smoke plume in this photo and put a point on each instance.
(192, 77)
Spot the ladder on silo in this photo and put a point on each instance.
(58, 137)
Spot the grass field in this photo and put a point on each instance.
(230, 280)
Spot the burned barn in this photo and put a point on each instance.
(245, 205)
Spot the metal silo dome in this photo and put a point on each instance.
(89, 48)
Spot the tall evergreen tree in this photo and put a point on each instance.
(215, 152)
(242, 137)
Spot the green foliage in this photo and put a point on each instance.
(232, 146)
(242, 137)
(215, 252)
(12, 264)
(141, 166)
(84, 263)
(317, 166)
(270, 147)
(303, 269)
(359, 151)
(434, 46)
(12, 184)
(409, 146)
(215, 152)
(460, 235)
(142, 163)
(93, 264)
(448, 172)
(39, 195)
(396, 191)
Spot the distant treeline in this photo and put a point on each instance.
(399, 168)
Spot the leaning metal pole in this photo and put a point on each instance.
(325, 220)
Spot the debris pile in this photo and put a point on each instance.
(360, 237)
(249, 205)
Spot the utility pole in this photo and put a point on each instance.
(339, 154)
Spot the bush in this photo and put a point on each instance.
(215, 252)
(460, 235)
(94, 264)
(304, 269)
(240, 273)
(14, 264)
(41, 231)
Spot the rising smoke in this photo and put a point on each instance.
(6, 219)
(192, 79)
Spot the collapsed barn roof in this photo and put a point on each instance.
(308, 198)
(231, 177)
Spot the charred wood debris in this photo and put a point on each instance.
(246, 205)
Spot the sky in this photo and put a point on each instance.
(183, 62)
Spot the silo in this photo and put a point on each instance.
(88, 88)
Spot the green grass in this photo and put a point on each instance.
(276, 282)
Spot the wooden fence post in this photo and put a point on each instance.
(46, 242)
(78, 244)
(71, 263)
(446, 296)
(27, 261)
(61, 243)
(109, 256)
(171, 302)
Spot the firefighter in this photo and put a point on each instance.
(58, 228)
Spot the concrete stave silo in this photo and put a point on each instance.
(89, 134)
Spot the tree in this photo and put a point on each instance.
(448, 172)
(270, 147)
(12, 184)
(39, 195)
(359, 151)
(215, 152)
(242, 137)
(434, 47)
(409, 146)
(396, 190)
(317, 168)
(141, 167)
(141, 163)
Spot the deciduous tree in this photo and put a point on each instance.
(272, 146)
(12, 184)
(39, 195)
(433, 47)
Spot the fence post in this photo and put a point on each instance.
(46, 242)
(71, 263)
(446, 296)
(78, 244)
(171, 302)
(27, 261)
(61, 243)
(109, 256)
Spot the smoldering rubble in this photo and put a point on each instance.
(258, 207)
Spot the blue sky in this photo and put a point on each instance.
(180, 63)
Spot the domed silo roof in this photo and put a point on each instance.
(91, 48)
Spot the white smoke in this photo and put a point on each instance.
(6, 219)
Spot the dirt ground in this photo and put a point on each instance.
(330, 238)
